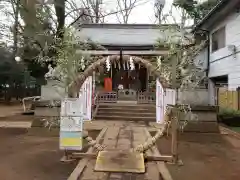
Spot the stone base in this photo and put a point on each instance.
(207, 120)
(66, 159)
(43, 131)
(115, 161)
(202, 127)
(53, 90)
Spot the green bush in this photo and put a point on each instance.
(228, 112)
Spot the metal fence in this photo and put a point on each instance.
(18, 92)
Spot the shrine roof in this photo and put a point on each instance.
(125, 34)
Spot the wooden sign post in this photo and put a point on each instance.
(71, 124)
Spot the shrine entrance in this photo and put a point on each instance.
(127, 157)
(128, 83)
(121, 74)
(130, 79)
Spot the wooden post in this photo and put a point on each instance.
(83, 162)
(67, 157)
(147, 88)
(175, 113)
(174, 128)
(162, 168)
(94, 86)
(238, 96)
(111, 71)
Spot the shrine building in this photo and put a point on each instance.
(128, 39)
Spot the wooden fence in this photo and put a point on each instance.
(228, 99)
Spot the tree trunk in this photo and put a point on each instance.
(59, 6)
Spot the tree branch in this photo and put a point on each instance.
(89, 7)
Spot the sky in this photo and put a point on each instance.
(144, 12)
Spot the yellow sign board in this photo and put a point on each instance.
(70, 140)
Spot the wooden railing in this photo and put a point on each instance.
(127, 94)
(107, 97)
(112, 97)
(95, 106)
(146, 98)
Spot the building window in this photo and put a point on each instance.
(218, 39)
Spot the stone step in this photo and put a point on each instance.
(128, 110)
(127, 113)
(135, 107)
(125, 118)
(126, 105)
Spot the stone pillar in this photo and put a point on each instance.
(52, 91)
(51, 94)
(212, 92)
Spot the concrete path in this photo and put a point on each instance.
(121, 136)
(6, 111)
(15, 124)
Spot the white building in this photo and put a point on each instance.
(222, 27)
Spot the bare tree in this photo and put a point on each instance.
(180, 66)
(125, 8)
(177, 15)
(95, 11)
(158, 7)
(88, 11)
(5, 34)
(15, 32)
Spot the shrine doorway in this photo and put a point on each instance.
(130, 79)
